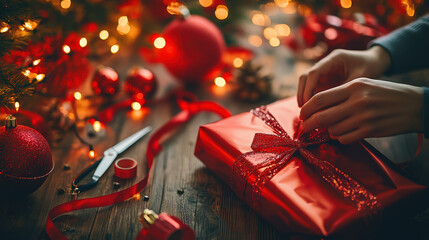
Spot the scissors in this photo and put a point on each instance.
(103, 163)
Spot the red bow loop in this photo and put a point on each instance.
(272, 143)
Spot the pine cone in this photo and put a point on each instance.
(58, 120)
(251, 84)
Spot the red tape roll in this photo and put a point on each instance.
(125, 168)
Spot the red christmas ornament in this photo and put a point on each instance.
(33, 120)
(25, 159)
(105, 81)
(141, 84)
(193, 47)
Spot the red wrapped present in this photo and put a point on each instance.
(300, 182)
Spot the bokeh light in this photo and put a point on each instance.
(269, 33)
(97, 126)
(255, 40)
(66, 49)
(104, 34)
(159, 42)
(83, 42)
(136, 106)
(77, 96)
(66, 4)
(282, 30)
(220, 82)
(275, 42)
(221, 12)
(114, 49)
(237, 62)
(206, 3)
(346, 3)
(122, 21)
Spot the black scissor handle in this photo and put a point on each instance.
(89, 185)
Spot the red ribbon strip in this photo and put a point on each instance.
(273, 152)
(189, 109)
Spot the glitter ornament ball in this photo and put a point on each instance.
(25, 159)
(193, 48)
(141, 84)
(105, 81)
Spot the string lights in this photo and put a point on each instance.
(66, 49)
(17, 106)
(77, 96)
(83, 42)
(220, 82)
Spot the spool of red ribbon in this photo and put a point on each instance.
(125, 168)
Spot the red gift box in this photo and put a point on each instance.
(321, 189)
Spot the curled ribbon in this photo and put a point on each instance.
(190, 107)
(273, 152)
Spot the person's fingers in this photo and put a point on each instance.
(328, 117)
(321, 72)
(323, 100)
(344, 126)
(352, 136)
(310, 84)
(301, 87)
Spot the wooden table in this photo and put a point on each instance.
(180, 184)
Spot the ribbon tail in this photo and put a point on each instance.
(278, 163)
(243, 168)
(353, 191)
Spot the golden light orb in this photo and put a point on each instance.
(136, 106)
(220, 82)
(83, 42)
(159, 42)
(114, 49)
(77, 96)
(66, 49)
(104, 34)
(237, 62)
(221, 12)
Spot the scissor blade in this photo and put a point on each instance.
(127, 142)
(111, 153)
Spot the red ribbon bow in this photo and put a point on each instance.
(273, 151)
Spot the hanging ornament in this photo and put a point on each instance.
(25, 159)
(105, 81)
(251, 84)
(141, 84)
(33, 120)
(163, 227)
(193, 48)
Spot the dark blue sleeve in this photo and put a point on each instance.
(426, 111)
(408, 46)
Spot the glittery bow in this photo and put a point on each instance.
(271, 152)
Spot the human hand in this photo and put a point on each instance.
(365, 108)
(342, 66)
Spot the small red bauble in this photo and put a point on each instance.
(25, 159)
(105, 81)
(141, 84)
(193, 48)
